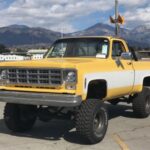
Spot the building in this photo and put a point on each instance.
(36, 53)
(12, 58)
(144, 54)
(37, 56)
(30, 54)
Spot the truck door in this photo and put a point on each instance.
(123, 75)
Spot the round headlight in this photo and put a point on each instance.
(71, 77)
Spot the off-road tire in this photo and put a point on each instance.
(85, 120)
(141, 103)
(19, 118)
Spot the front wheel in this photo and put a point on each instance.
(141, 103)
(92, 120)
(20, 118)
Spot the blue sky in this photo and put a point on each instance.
(71, 15)
(4, 4)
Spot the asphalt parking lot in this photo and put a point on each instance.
(125, 132)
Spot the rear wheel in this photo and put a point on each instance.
(92, 120)
(141, 103)
(19, 118)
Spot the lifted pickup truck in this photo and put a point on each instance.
(74, 80)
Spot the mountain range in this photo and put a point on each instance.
(22, 36)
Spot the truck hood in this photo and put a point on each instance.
(50, 62)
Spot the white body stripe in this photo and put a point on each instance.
(140, 75)
(118, 79)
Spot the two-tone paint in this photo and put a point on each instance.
(124, 79)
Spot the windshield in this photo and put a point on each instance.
(79, 47)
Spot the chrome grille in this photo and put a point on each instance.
(34, 76)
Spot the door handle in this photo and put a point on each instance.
(129, 63)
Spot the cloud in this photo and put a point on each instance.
(138, 16)
(56, 14)
(50, 14)
(134, 3)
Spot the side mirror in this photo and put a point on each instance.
(126, 56)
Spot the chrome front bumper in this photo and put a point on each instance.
(47, 99)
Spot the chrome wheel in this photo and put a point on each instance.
(98, 123)
(147, 101)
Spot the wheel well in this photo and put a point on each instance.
(97, 89)
(146, 81)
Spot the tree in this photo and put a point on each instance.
(3, 49)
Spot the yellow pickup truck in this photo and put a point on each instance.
(75, 78)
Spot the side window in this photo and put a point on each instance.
(117, 49)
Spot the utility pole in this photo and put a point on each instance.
(116, 17)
